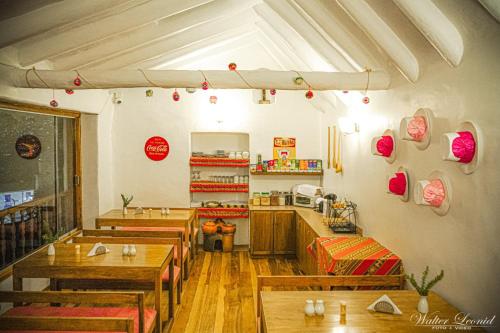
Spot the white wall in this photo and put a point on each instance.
(463, 243)
(166, 183)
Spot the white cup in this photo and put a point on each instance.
(403, 129)
(245, 155)
(232, 155)
(419, 192)
(446, 147)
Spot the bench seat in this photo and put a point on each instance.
(107, 312)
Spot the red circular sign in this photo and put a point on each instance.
(156, 148)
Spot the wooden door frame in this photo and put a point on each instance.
(12, 105)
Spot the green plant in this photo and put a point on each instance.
(424, 288)
(126, 200)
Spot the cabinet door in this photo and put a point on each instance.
(261, 233)
(301, 244)
(284, 232)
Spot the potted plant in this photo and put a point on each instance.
(49, 237)
(424, 288)
(126, 202)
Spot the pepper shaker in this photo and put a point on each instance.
(309, 308)
(319, 308)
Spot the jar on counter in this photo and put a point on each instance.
(282, 199)
(256, 199)
(265, 199)
(275, 198)
(288, 199)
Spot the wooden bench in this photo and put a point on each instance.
(111, 237)
(326, 282)
(24, 316)
(186, 226)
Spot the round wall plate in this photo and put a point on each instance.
(469, 126)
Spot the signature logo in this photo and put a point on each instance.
(462, 321)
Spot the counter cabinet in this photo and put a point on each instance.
(272, 232)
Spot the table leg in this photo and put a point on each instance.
(171, 290)
(17, 285)
(158, 292)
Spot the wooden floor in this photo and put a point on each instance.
(220, 295)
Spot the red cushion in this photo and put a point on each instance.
(173, 229)
(177, 273)
(111, 312)
(184, 253)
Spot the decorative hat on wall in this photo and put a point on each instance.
(418, 128)
(398, 184)
(435, 191)
(385, 146)
(463, 146)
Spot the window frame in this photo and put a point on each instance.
(12, 105)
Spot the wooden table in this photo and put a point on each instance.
(183, 218)
(283, 311)
(149, 264)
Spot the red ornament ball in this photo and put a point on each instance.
(77, 81)
(232, 66)
(204, 85)
(366, 100)
(175, 96)
(69, 91)
(54, 103)
(309, 94)
(272, 92)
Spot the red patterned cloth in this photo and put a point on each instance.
(89, 312)
(354, 256)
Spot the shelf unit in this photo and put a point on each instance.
(212, 166)
(217, 187)
(218, 162)
(288, 173)
(223, 212)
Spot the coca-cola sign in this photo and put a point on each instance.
(156, 148)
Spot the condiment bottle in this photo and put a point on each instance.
(309, 308)
(319, 308)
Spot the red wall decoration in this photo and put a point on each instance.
(156, 148)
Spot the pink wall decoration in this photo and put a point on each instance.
(463, 146)
(398, 184)
(385, 146)
(418, 128)
(435, 192)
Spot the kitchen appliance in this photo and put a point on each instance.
(305, 195)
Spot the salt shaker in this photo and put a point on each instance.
(319, 308)
(343, 313)
(125, 250)
(309, 308)
(167, 211)
(132, 251)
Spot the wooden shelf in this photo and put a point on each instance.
(287, 173)
(223, 212)
(219, 162)
(218, 187)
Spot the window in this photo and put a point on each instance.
(37, 181)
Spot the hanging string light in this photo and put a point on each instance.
(79, 79)
(232, 66)
(53, 102)
(299, 80)
(366, 99)
(69, 91)
(272, 92)
(149, 92)
(175, 96)
(205, 84)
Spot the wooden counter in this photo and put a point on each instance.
(288, 230)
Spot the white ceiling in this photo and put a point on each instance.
(318, 35)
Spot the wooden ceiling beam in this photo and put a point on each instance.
(376, 28)
(219, 79)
